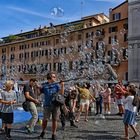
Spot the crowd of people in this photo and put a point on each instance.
(77, 99)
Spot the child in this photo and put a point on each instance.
(130, 114)
(7, 98)
(107, 99)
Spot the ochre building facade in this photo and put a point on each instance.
(34, 53)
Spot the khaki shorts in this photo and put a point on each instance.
(50, 110)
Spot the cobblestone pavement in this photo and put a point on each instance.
(110, 128)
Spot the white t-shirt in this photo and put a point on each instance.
(128, 104)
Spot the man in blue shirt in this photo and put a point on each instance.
(49, 89)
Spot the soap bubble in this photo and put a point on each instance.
(57, 11)
(115, 44)
(101, 44)
(122, 31)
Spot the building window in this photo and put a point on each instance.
(117, 16)
(42, 43)
(55, 52)
(3, 58)
(50, 52)
(125, 37)
(99, 32)
(32, 54)
(87, 35)
(36, 53)
(59, 67)
(46, 52)
(49, 42)
(125, 26)
(126, 76)
(113, 29)
(65, 50)
(32, 45)
(42, 52)
(70, 65)
(125, 54)
(109, 40)
(57, 41)
(79, 48)
(54, 66)
(3, 50)
(12, 57)
(71, 38)
(79, 37)
(12, 49)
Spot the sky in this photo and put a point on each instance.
(18, 16)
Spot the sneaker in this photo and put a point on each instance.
(27, 126)
(41, 135)
(8, 138)
(30, 131)
(120, 114)
(2, 131)
(54, 137)
(86, 120)
(73, 125)
(96, 114)
(108, 112)
(102, 116)
(135, 124)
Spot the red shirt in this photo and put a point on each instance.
(119, 92)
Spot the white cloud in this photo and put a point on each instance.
(26, 11)
(48, 16)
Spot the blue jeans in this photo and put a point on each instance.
(99, 102)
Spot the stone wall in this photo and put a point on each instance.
(134, 41)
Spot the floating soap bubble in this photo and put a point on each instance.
(89, 44)
(69, 27)
(57, 12)
(101, 45)
(51, 30)
(122, 31)
(115, 44)
(98, 33)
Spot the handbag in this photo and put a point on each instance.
(25, 105)
(58, 99)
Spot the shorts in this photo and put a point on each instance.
(50, 110)
(7, 118)
(84, 102)
(119, 101)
